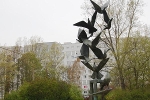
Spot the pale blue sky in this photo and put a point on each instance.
(52, 20)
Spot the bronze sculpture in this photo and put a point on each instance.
(92, 44)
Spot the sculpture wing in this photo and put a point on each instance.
(105, 5)
(97, 75)
(82, 24)
(84, 58)
(96, 7)
(87, 42)
(84, 50)
(79, 33)
(86, 25)
(98, 53)
(101, 64)
(82, 35)
(93, 75)
(96, 40)
(81, 57)
(106, 18)
(108, 26)
(109, 23)
(93, 18)
(88, 65)
(105, 52)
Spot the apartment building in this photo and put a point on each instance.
(71, 51)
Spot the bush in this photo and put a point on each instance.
(18, 95)
(75, 93)
(13, 96)
(46, 89)
(128, 95)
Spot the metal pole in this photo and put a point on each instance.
(91, 90)
(95, 89)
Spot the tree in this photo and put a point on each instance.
(50, 56)
(30, 59)
(125, 23)
(136, 67)
(34, 45)
(7, 72)
(74, 73)
(28, 66)
(16, 53)
(53, 63)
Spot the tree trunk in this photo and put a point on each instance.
(122, 83)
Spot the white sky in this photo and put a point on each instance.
(52, 20)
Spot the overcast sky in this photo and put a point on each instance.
(52, 20)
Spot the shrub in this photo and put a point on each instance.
(13, 96)
(118, 94)
(46, 89)
(75, 93)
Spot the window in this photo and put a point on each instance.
(77, 52)
(84, 82)
(85, 91)
(72, 53)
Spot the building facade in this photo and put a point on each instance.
(71, 52)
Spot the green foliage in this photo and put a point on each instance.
(128, 95)
(136, 66)
(75, 93)
(46, 89)
(13, 96)
(30, 65)
(22, 91)
(18, 95)
(30, 60)
(53, 66)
